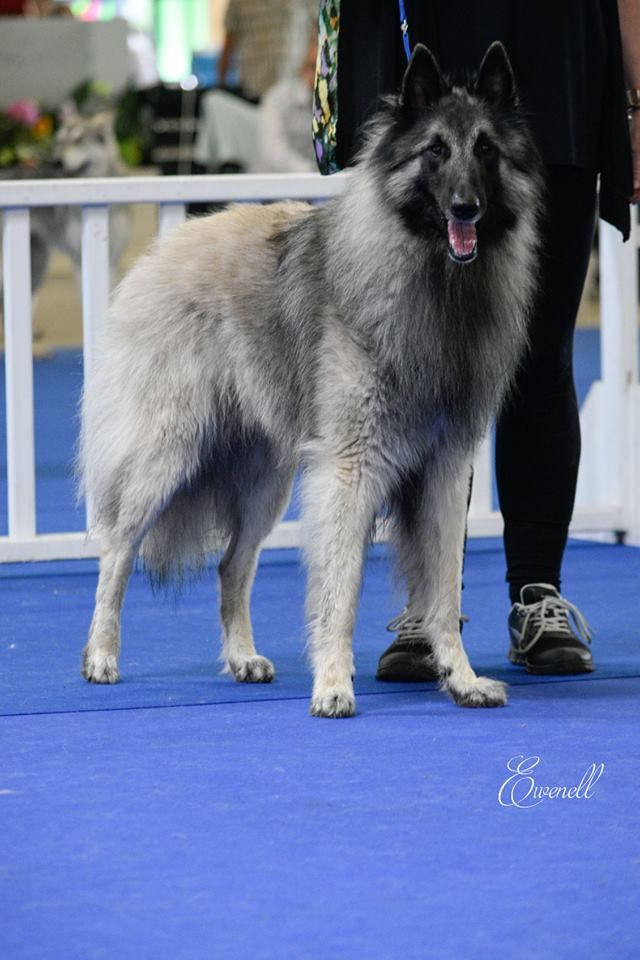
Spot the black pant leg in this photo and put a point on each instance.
(371, 62)
(538, 432)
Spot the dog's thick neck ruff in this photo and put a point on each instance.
(441, 297)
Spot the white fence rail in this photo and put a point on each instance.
(608, 492)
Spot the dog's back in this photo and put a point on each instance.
(193, 353)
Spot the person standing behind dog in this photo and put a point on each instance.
(284, 132)
(571, 63)
(268, 37)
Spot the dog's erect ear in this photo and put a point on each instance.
(496, 82)
(68, 112)
(422, 84)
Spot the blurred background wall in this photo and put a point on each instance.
(180, 27)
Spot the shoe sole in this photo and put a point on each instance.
(562, 668)
(404, 668)
(406, 676)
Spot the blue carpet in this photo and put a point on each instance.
(251, 831)
(180, 815)
(170, 647)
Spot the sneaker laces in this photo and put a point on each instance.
(409, 627)
(551, 614)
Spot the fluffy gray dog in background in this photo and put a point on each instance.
(370, 339)
(85, 146)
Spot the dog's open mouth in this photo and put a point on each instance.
(463, 240)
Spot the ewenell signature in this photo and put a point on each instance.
(523, 789)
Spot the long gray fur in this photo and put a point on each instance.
(344, 337)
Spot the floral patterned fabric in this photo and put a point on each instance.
(325, 98)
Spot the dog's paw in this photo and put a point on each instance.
(481, 692)
(333, 702)
(99, 667)
(252, 670)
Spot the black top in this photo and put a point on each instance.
(566, 56)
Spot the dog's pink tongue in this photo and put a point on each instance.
(462, 237)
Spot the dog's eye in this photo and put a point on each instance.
(484, 148)
(436, 149)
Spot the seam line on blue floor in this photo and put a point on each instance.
(221, 703)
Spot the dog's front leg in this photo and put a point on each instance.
(435, 582)
(339, 511)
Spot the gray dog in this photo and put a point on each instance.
(84, 147)
(372, 339)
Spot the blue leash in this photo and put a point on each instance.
(404, 27)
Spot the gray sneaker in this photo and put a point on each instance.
(542, 637)
(409, 658)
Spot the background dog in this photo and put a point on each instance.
(85, 146)
(371, 338)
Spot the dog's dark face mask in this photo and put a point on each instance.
(443, 164)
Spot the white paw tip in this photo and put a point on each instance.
(100, 668)
(334, 704)
(483, 692)
(253, 670)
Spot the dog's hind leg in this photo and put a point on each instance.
(120, 545)
(260, 502)
(129, 505)
(100, 656)
(430, 529)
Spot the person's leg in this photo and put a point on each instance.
(371, 61)
(538, 433)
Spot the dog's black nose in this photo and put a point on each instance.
(466, 212)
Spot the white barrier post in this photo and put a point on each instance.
(619, 349)
(483, 519)
(170, 215)
(631, 490)
(96, 279)
(19, 374)
(96, 284)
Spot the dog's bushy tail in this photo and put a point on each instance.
(183, 538)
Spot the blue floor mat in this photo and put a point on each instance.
(180, 815)
(251, 831)
(170, 646)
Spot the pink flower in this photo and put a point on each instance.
(26, 111)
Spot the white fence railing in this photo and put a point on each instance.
(608, 492)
